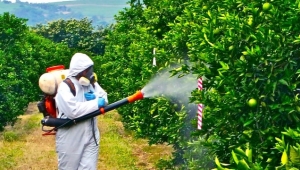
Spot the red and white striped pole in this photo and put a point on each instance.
(200, 106)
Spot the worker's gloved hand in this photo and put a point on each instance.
(101, 102)
(89, 96)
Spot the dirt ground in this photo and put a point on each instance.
(32, 108)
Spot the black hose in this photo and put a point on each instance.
(58, 122)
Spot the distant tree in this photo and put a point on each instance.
(32, 14)
(78, 34)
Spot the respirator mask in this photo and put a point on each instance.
(85, 80)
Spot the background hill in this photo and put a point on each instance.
(101, 12)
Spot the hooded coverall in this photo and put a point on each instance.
(76, 145)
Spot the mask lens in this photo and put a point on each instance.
(90, 73)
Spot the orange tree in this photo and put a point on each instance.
(127, 67)
(24, 56)
(245, 50)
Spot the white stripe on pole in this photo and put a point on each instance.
(154, 59)
(200, 106)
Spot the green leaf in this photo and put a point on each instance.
(218, 163)
(248, 123)
(294, 156)
(224, 65)
(206, 39)
(282, 81)
(240, 152)
(243, 165)
(284, 158)
(249, 154)
(236, 160)
(274, 87)
(209, 14)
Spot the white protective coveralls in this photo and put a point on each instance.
(75, 145)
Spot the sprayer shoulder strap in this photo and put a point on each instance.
(71, 85)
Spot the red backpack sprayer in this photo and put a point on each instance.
(49, 82)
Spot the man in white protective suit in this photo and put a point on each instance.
(77, 146)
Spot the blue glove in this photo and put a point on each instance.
(89, 96)
(101, 102)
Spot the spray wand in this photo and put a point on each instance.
(58, 122)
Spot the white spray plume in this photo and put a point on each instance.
(162, 84)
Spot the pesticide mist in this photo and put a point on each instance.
(177, 89)
(174, 88)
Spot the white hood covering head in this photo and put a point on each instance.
(79, 62)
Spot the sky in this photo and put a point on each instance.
(38, 1)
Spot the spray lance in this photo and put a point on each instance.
(58, 122)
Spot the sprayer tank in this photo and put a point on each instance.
(49, 81)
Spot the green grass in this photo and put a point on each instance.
(12, 140)
(110, 132)
(9, 154)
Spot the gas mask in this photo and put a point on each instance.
(85, 80)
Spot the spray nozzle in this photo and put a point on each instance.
(137, 96)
